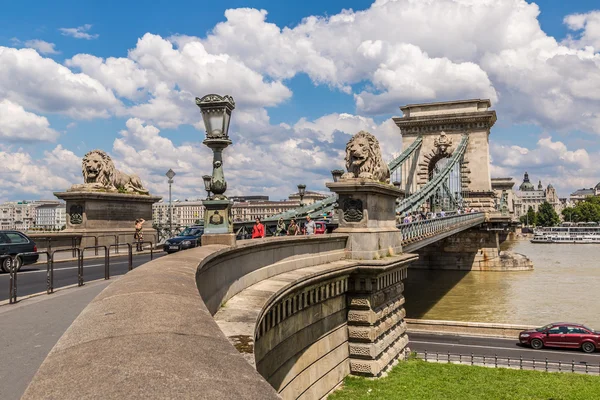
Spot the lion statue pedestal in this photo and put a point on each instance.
(107, 203)
(367, 214)
(367, 201)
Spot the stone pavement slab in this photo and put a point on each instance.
(31, 328)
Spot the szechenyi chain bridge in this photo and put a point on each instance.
(281, 317)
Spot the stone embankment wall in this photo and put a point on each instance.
(465, 328)
(473, 249)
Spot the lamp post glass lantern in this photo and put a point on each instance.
(337, 174)
(207, 179)
(301, 192)
(170, 174)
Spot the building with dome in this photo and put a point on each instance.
(530, 196)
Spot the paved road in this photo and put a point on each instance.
(31, 328)
(504, 348)
(32, 278)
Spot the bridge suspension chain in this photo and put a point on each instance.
(432, 188)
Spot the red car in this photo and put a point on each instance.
(562, 334)
(320, 227)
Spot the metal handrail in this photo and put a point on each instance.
(521, 363)
(418, 230)
(129, 254)
(151, 247)
(106, 257)
(79, 267)
(13, 273)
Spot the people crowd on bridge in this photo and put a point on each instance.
(415, 216)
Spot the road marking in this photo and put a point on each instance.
(64, 268)
(521, 349)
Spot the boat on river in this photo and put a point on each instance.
(567, 234)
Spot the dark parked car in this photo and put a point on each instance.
(562, 334)
(190, 237)
(13, 243)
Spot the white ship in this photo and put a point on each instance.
(567, 234)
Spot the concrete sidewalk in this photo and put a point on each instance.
(32, 327)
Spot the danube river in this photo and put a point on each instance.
(563, 286)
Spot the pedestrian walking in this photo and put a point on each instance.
(258, 230)
(293, 228)
(309, 227)
(138, 236)
(280, 231)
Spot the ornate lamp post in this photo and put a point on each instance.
(301, 192)
(337, 174)
(170, 174)
(216, 113)
(207, 179)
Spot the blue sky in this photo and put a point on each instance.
(303, 116)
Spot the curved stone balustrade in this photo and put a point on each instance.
(151, 333)
(226, 272)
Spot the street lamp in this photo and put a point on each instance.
(170, 174)
(337, 174)
(301, 192)
(216, 113)
(207, 179)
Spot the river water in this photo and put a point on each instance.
(564, 286)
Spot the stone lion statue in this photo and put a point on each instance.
(99, 172)
(363, 159)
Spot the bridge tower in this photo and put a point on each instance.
(442, 126)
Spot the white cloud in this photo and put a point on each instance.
(550, 161)
(431, 50)
(81, 32)
(587, 28)
(43, 85)
(16, 124)
(41, 46)
(172, 73)
(22, 176)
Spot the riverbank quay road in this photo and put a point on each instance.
(32, 327)
(31, 279)
(505, 352)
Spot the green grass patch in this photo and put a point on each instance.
(417, 379)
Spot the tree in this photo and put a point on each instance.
(586, 211)
(529, 218)
(546, 216)
(570, 214)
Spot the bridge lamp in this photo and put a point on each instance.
(337, 174)
(216, 114)
(301, 192)
(170, 174)
(207, 179)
